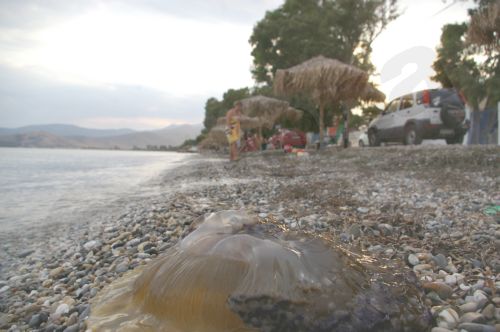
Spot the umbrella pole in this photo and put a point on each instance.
(346, 127)
(321, 125)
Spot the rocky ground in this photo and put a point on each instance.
(427, 206)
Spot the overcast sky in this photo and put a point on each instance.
(151, 63)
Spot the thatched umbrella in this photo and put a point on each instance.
(371, 94)
(292, 114)
(269, 110)
(246, 122)
(324, 80)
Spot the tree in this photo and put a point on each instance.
(302, 29)
(370, 113)
(214, 108)
(471, 65)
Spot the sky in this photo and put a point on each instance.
(152, 63)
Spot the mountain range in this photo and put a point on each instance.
(69, 136)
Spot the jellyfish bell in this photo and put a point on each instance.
(235, 274)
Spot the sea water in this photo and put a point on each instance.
(45, 186)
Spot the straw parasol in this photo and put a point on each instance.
(269, 110)
(292, 114)
(324, 80)
(246, 122)
(371, 94)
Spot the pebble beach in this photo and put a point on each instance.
(433, 208)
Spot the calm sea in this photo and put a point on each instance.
(40, 186)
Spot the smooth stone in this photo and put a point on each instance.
(468, 307)
(422, 267)
(62, 309)
(4, 289)
(55, 273)
(144, 246)
(363, 210)
(355, 231)
(448, 318)
(73, 319)
(72, 328)
(480, 298)
(25, 253)
(38, 319)
(92, 245)
(440, 260)
(424, 256)
(464, 287)
(472, 317)
(489, 311)
(122, 267)
(133, 242)
(443, 290)
(440, 329)
(386, 229)
(474, 327)
(450, 280)
(413, 260)
(5, 319)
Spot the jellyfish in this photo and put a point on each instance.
(236, 274)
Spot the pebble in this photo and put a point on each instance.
(25, 253)
(444, 291)
(413, 259)
(431, 227)
(448, 319)
(468, 307)
(472, 317)
(92, 245)
(474, 327)
(363, 210)
(440, 260)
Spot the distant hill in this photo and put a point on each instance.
(66, 131)
(36, 139)
(173, 135)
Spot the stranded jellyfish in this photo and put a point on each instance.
(236, 274)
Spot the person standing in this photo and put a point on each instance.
(233, 130)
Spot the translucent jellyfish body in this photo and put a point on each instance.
(235, 274)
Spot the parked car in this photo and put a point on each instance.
(363, 140)
(294, 138)
(427, 114)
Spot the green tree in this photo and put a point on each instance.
(471, 67)
(302, 29)
(370, 113)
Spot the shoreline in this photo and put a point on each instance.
(423, 206)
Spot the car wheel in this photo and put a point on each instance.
(361, 144)
(411, 136)
(373, 138)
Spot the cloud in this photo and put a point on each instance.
(29, 14)
(30, 97)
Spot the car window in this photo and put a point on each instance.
(393, 106)
(406, 102)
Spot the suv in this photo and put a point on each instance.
(428, 114)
